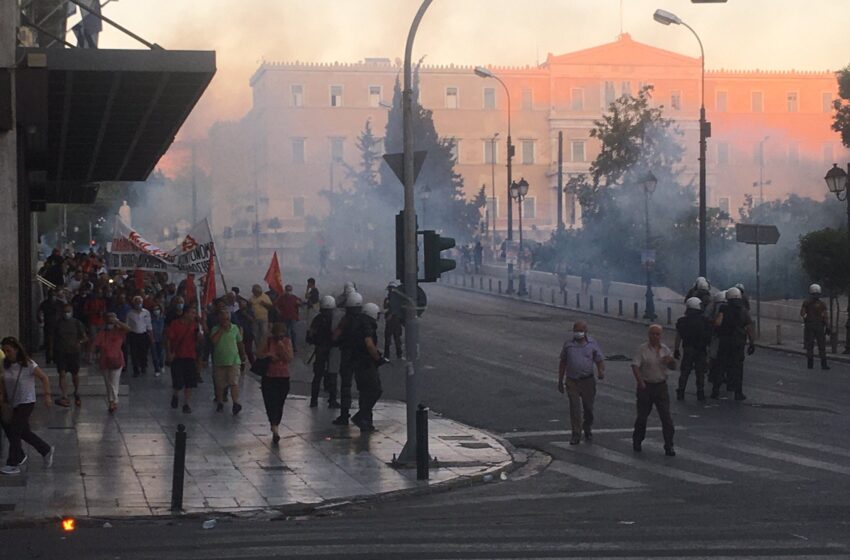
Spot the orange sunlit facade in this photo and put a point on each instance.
(769, 128)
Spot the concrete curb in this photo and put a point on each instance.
(840, 358)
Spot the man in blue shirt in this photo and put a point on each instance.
(575, 374)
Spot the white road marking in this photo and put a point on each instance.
(593, 476)
(788, 457)
(808, 444)
(541, 433)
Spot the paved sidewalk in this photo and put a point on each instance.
(121, 465)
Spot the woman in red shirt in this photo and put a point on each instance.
(109, 343)
(275, 384)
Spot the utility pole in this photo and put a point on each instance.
(560, 180)
(411, 331)
(194, 190)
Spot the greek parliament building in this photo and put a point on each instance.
(770, 132)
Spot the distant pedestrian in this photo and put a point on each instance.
(261, 304)
(815, 327)
(311, 300)
(478, 256)
(693, 332)
(69, 336)
(579, 355)
(320, 335)
(181, 349)
(49, 314)
(650, 366)
(19, 375)
(287, 306)
(228, 360)
(393, 319)
(158, 347)
(275, 384)
(734, 328)
(324, 253)
(109, 345)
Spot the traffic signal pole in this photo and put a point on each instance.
(411, 330)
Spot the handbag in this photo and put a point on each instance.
(261, 366)
(6, 408)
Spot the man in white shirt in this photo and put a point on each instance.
(650, 366)
(140, 336)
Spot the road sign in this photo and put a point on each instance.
(756, 234)
(396, 163)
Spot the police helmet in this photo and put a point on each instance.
(693, 303)
(733, 293)
(348, 288)
(814, 289)
(371, 310)
(719, 297)
(327, 302)
(354, 300)
(701, 283)
(740, 286)
(394, 284)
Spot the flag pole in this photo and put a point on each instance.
(215, 254)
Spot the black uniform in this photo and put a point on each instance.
(695, 331)
(320, 334)
(393, 323)
(732, 334)
(703, 295)
(344, 339)
(365, 371)
(814, 330)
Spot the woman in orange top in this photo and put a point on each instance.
(275, 384)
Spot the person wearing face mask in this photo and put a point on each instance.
(158, 347)
(69, 335)
(140, 337)
(579, 355)
(109, 345)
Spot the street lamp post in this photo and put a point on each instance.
(482, 72)
(649, 183)
(762, 182)
(838, 184)
(518, 192)
(493, 189)
(666, 18)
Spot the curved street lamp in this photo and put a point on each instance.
(667, 18)
(483, 72)
(518, 192)
(648, 182)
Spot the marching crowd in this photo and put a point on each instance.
(115, 321)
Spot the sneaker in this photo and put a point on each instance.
(342, 420)
(9, 469)
(236, 408)
(48, 458)
(669, 451)
(157, 373)
(23, 461)
(187, 409)
(588, 436)
(575, 440)
(174, 401)
(219, 407)
(366, 427)
(636, 447)
(314, 403)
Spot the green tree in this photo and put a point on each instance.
(823, 254)
(841, 119)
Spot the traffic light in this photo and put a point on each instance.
(435, 265)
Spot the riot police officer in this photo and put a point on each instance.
(734, 330)
(702, 290)
(344, 338)
(815, 327)
(366, 359)
(393, 319)
(320, 334)
(745, 299)
(693, 331)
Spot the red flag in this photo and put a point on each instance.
(209, 281)
(273, 277)
(189, 290)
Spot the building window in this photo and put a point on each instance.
(489, 98)
(577, 151)
(297, 95)
(828, 155)
(610, 93)
(626, 88)
(374, 96)
(451, 98)
(577, 99)
(491, 151)
(529, 208)
(298, 206)
(724, 203)
(298, 150)
(826, 101)
(454, 147)
(793, 153)
(493, 207)
(527, 100)
(336, 96)
(721, 102)
(791, 98)
(527, 151)
(757, 102)
(722, 153)
(337, 149)
(676, 100)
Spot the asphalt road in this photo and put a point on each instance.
(764, 478)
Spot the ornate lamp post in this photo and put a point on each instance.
(648, 182)
(518, 192)
(838, 184)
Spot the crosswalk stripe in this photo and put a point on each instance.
(642, 464)
(807, 444)
(593, 476)
(736, 466)
(787, 457)
(515, 435)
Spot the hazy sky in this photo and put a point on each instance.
(741, 34)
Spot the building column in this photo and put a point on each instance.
(10, 303)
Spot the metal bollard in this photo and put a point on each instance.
(669, 316)
(480, 282)
(541, 294)
(553, 296)
(578, 300)
(422, 456)
(500, 286)
(179, 469)
(590, 301)
(464, 280)
(779, 335)
(605, 304)
(566, 298)
(489, 284)
(636, 310)
(619, 308)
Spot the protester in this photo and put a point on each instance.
(19, 376)
(228, 360)
(181, 349)
(261, 304)
(70, 336)
(311, 300)
(287, 312)
(579, 355)
(158, 347)
(275, 383)
(140, 337)
(109, 345)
